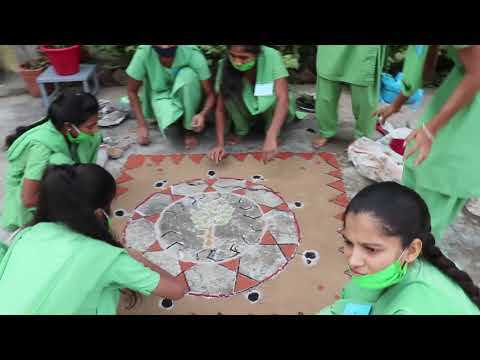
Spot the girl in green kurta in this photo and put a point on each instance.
(68, 134)
(252, 86)
(361, 67)
(173, 80)
(442, 162)
(396, 267)
(68, 262)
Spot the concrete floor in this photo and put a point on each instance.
(462, 241)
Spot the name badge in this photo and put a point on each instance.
(264, 89)
(357, 309)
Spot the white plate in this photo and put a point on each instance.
(112, 119)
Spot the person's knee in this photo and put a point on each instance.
(241, 131)
(187, 76)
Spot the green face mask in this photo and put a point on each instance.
(81, 136)
(389, 276)
(244, 67)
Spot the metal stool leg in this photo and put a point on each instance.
(86, 86)
(96, 83)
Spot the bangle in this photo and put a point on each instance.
(428, 133)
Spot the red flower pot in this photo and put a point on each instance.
(65, 61)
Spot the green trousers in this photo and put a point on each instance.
(365, 101)
(183, 100)
(443, 208)
(243, 121)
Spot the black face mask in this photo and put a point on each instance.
(166, 52)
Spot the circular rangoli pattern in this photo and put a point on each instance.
(220, 236)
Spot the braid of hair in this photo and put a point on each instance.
(434, 256)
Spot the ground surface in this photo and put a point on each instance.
(462, 241)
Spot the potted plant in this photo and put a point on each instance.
(112, 60)
(30, 71)
(65, 59)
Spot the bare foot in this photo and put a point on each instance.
(319, 142)
(234, 139)
(191, 141)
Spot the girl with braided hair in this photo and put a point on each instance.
(396, 267)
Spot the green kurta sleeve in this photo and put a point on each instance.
(137, 68)
(279, 70)
(37, 161)
(126, 272)
(199, 64)
(413, 69)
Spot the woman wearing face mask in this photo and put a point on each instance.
(442, 157)
(174, 80)
(252, 86)
(68, 262)
(68, 135)
(397, 268)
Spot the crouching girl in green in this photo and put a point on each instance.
(68, 135)
(397, 268)
(68, 261)
(252, 86)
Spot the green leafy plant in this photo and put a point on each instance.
(396, 60)
(111, 56)
(35, 64)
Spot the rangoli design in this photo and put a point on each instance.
(221, 236)
(259, 239)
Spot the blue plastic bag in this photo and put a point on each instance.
(391, 88)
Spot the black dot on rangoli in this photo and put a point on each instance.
(211, 173)
(309, 262)
(167, 303)
(310, 255)
(298, 204)
(253, 296)
(257, 177)
(159, 184)
(119, 213)
(311, 131)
